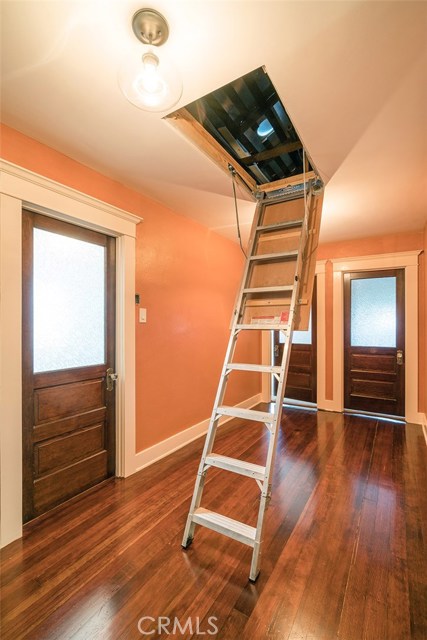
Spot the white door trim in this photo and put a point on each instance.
(22, 188)
(407, 260)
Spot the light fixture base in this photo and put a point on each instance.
(150, 27)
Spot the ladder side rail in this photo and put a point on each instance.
(208, 445)
(233, 338)
(281, 386)
(272, 447)
(238, 305)
(294, 301)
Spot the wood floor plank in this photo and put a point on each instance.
(344, 551)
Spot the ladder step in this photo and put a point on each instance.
(276, 289)
(227, 526)
(267, 257)
(277, 226)
(263, 327)
(261, 368)
(248, 469)
(246, 414)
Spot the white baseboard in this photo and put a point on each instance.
(329, 405)
(165, 447)
(415, 418)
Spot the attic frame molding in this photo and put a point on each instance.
(20, 188)
(190, 128)
(407, 260)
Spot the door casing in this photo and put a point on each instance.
(409, 261)
(23, 188)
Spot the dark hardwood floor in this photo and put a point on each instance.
(344, 554)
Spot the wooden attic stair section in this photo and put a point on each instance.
(244, 128)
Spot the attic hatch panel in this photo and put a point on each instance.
(247, 118)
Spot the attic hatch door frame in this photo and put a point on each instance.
(193, 129)
(226, 122)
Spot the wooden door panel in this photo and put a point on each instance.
(67, 400)
(373, 362)
(376, 405)
(56, 487)
(67, 425)
(57, 452)
(301, 380)
(301, 357)
(373, 388)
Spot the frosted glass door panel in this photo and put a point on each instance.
(373, 312)
(69, 302)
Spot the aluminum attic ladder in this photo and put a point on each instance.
(278, 250)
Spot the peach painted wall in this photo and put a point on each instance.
(391, 243)
(187, 278)
(423, 336)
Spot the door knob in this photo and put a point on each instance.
(399, 357)
(110, 379)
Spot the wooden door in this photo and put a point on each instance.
(374, 341)
(301, 383)
(68, 346)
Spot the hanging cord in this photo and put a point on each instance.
(233, 172)
(305, 182)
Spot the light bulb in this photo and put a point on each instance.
(150, 83)
(149, 80)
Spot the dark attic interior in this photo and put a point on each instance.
(249, 120)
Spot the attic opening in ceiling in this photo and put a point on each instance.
(247, 118)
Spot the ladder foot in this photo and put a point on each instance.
(253, 580)
(187, 543)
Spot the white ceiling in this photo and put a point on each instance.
(352, 76)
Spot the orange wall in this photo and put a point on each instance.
(423, 337)
(374, 245)
(391, 243)
(187, 278)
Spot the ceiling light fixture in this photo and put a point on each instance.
(150, 82)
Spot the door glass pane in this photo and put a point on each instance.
(373, 312)
(69, 294)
